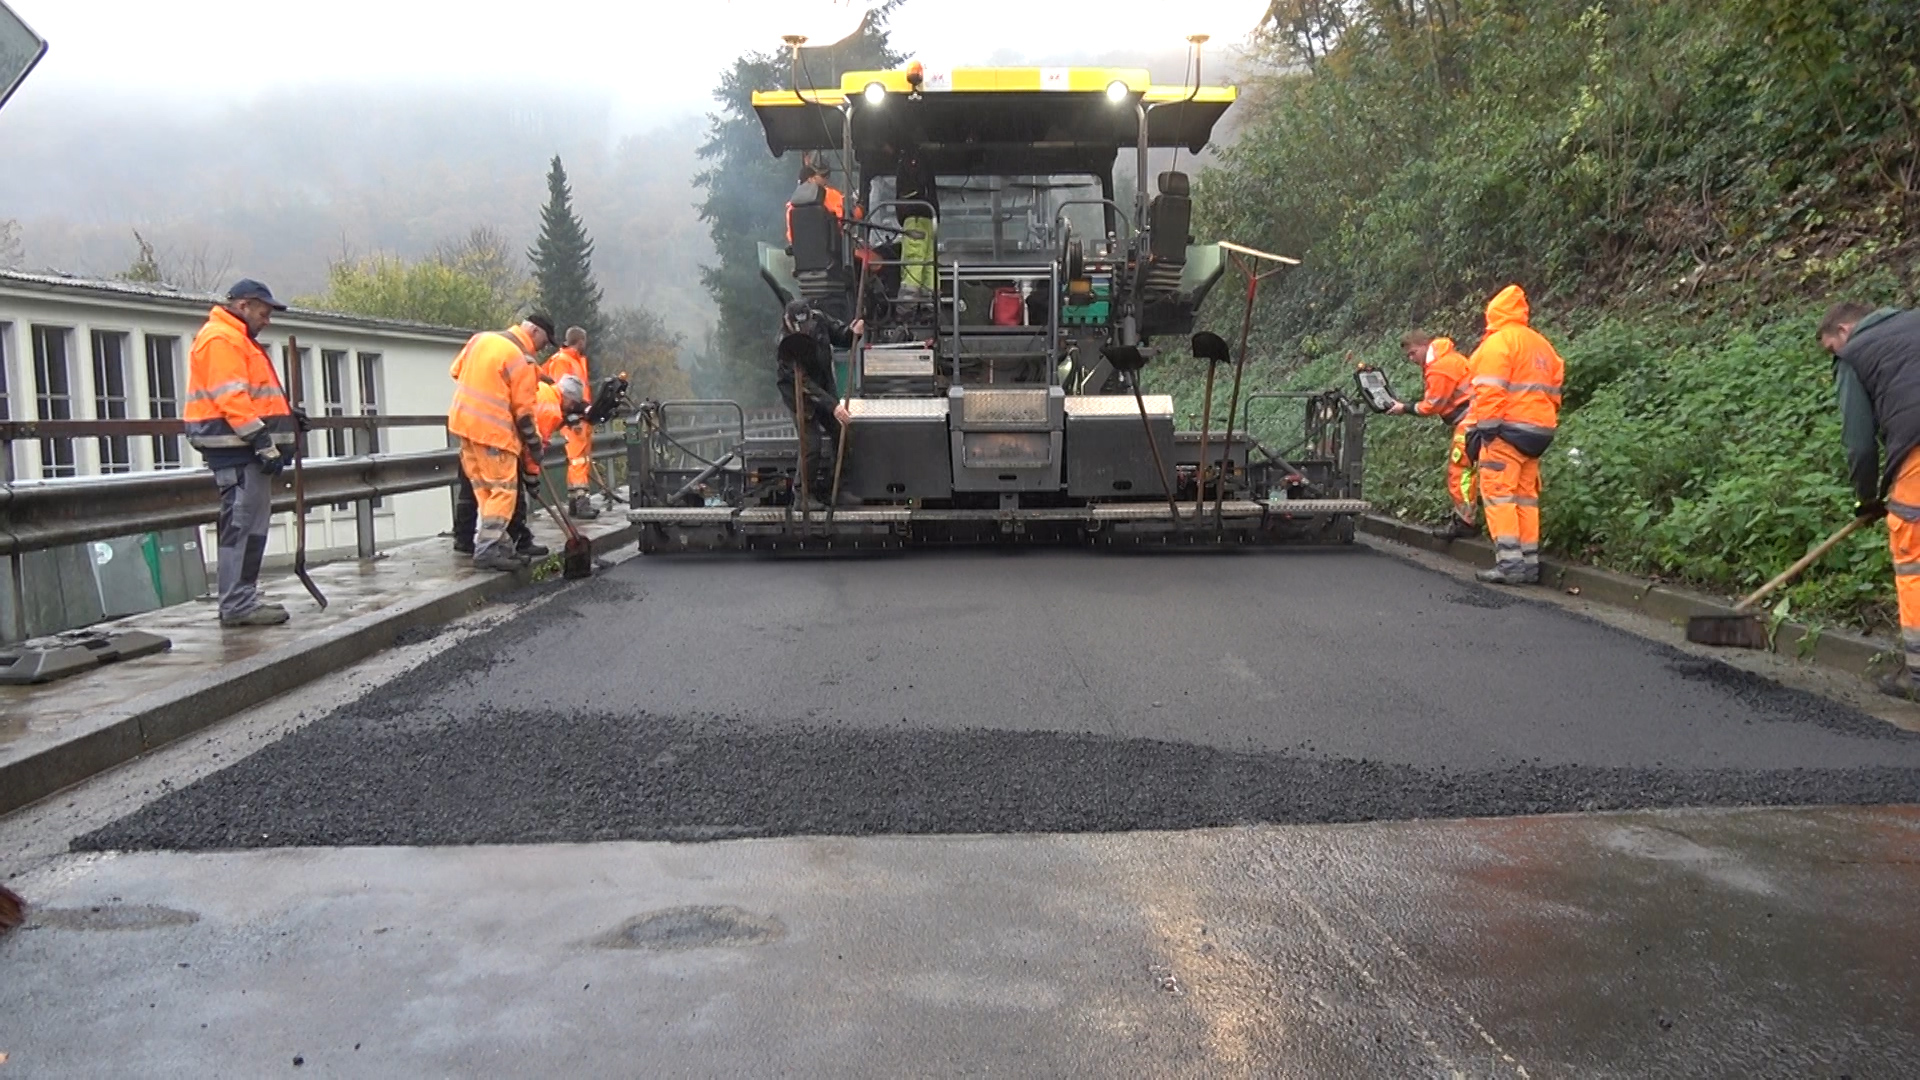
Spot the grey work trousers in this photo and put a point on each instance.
(246, 510)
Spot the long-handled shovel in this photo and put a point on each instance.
(1742, 629)
(853, 366)
(300, 482)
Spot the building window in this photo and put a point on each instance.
(370, 398)
(110, 398)
(53, 397)
(163, 396)
(333, 396)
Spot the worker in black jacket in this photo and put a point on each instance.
(808, 338)
(1876, 373)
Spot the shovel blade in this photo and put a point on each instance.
(1727, 631)
(577, 559)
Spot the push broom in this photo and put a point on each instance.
(1743, 629)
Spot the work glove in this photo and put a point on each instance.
(300, 421)
(269, 458)
(1873, 509)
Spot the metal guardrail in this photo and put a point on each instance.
(37, 515)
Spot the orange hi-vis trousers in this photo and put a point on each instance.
(579, 457)
(1510, 488)
(1460, 486)
(495, 476)
(1903, 536)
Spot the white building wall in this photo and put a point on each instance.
(410, 379)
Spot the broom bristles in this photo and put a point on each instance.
(13, 909)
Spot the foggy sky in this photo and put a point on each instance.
(269, 138)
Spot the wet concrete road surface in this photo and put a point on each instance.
(1671, 943)
(1041, 814)
(1038, 691)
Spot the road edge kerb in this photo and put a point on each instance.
(158, 718)
(1835, 649)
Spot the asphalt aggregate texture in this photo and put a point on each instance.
(1025, 691)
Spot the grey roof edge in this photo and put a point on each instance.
(54, 282)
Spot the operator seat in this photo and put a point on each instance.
(818, 263)
(1169, 225)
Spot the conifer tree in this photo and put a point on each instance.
(563, 261)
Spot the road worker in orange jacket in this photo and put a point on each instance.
(496, 383)
(811, 172)
(572, 360)
(1444, 371)
(238, 417)
(1515, 378)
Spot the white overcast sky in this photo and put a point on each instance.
(648, 54)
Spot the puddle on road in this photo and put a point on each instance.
(682, 928)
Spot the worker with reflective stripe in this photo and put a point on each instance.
(572, 360)
(1444, 371)
(1876, 373)
(1514, 379)
(496, 381)
(238, 417)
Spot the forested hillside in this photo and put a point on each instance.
(1682, 186)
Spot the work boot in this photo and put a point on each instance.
(1900, 684)
(1457, 528)
(498, 558)
(463, 547)
(1510, 575)
(531, 550)
(582, 508)
(263, 615)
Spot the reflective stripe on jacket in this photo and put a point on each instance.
(233, 392)
(1446, 382)
(1515, 378)
(495, 387)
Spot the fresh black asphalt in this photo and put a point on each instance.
(991, 692)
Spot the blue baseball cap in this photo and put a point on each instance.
(249, 289)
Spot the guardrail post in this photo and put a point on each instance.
(363, 508)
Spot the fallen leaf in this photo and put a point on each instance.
(1573, 590)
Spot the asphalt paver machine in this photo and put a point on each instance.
(1000, 393)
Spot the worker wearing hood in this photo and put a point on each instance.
(1515, 378)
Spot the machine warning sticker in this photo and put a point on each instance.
(1056, 78)
(937, 79)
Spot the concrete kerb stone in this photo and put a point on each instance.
(156, 719)
(1829, 648)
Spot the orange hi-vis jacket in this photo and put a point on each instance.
(547, 414)
(1448, 392)
(233, 393)
(831, 198)
(496, 384)
(1516, 378)
(568, 362)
